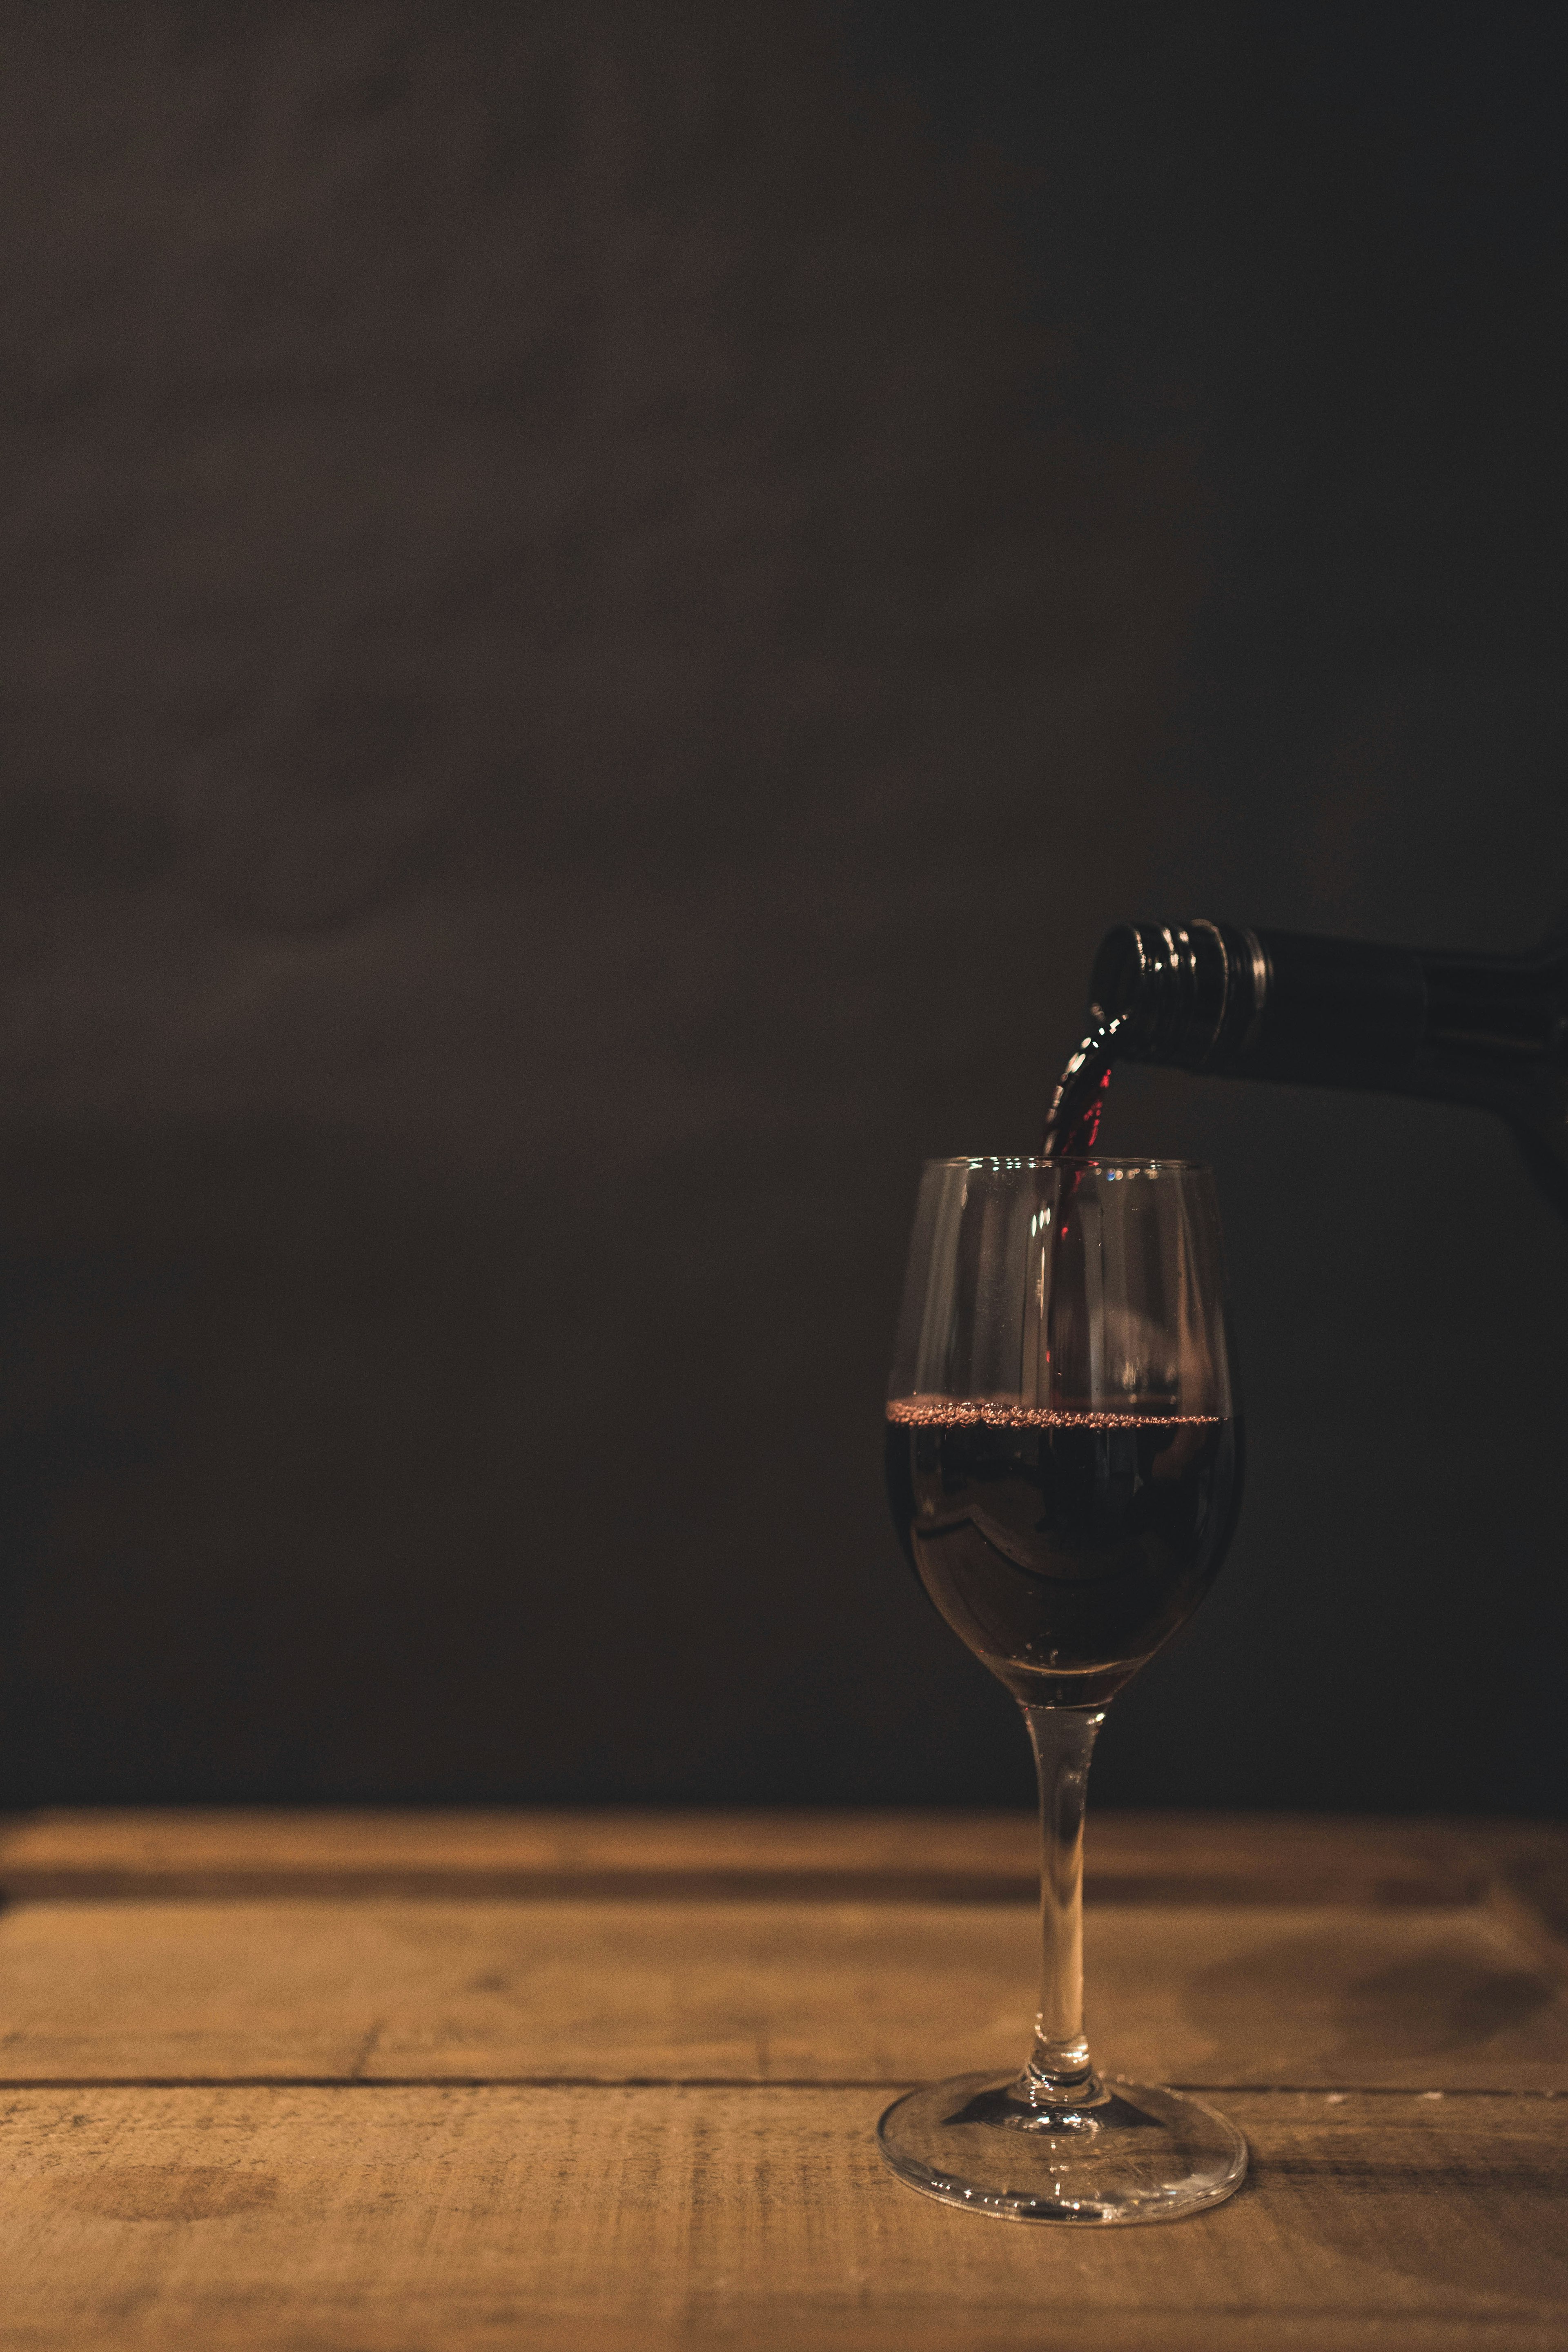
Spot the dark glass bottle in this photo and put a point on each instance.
(1282, 1006)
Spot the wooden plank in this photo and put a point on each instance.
(889, 1855)
(1445, 1999)
(436, 2220)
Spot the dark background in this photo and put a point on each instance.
(602, 604)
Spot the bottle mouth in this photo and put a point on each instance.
(1119, 973)
(1187, 994)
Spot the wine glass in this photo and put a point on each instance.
(1064, 1465)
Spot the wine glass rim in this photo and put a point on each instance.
(1005, 1164)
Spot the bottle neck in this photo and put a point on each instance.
(1186, 995)
(1287, 1006)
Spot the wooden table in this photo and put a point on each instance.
(404, 2082)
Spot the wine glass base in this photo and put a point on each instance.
(1125, 2153)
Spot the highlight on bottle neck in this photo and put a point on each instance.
(1191, 994)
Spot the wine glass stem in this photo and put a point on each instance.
(1063, 1740)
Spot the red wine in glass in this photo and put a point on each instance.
(1064, 1465)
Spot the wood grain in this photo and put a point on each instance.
(1132, 1857)
(400, 2219)
(758, 1993)
(422, 2084)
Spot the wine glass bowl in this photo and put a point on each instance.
(1064, 1466)
(1063, 1451)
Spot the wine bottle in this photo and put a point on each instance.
(1283, 1005)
